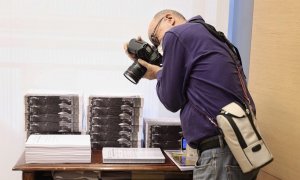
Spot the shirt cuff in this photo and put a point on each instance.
(159, 74)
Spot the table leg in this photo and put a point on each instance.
(28, 175)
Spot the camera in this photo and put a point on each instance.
(141, 50)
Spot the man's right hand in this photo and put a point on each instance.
(130, 55)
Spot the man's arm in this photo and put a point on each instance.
(171, 79)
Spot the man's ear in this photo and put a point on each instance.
(170, 18)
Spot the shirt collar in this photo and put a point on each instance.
(196, 19)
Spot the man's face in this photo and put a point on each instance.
(154, 30)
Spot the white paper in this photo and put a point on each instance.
(132, 155)
(58, 149)
(58, 141)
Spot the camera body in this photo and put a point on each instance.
(141, 50)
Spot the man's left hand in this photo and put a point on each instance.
(151, 69)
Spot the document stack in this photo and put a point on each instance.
(162, 133)
(132, 155)
(114, 121)
(58, 149)
(52, 114)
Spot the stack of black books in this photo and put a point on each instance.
(114, 121)
(163, 133)
(52, 114)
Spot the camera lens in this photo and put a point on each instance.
(135, 72)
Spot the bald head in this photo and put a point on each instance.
(162, 22)
(168, 11)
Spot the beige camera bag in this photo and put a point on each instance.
(243, 138)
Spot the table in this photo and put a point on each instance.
(167, 170)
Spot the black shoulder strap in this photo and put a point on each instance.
(221, 37)
(234, 53)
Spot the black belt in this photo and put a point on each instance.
(211, 143)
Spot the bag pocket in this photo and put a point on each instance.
(258, 154)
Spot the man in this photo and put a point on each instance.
(198, 77)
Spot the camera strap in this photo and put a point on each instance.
(234, 53)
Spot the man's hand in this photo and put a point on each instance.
(151, 69)
(130, 55)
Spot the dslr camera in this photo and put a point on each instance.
(141, 50)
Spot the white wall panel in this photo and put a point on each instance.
(11, 121)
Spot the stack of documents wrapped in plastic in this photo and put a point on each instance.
(114, 121)
(58, 149)
(164, 133)
(52, 112)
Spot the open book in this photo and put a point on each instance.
(182, 161)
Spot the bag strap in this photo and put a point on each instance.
(201, 110)
(234, 53)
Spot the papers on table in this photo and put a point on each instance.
(132, 155)
(58, 149)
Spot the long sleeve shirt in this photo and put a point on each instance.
(198, 77)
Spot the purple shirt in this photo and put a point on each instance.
(198, 76)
